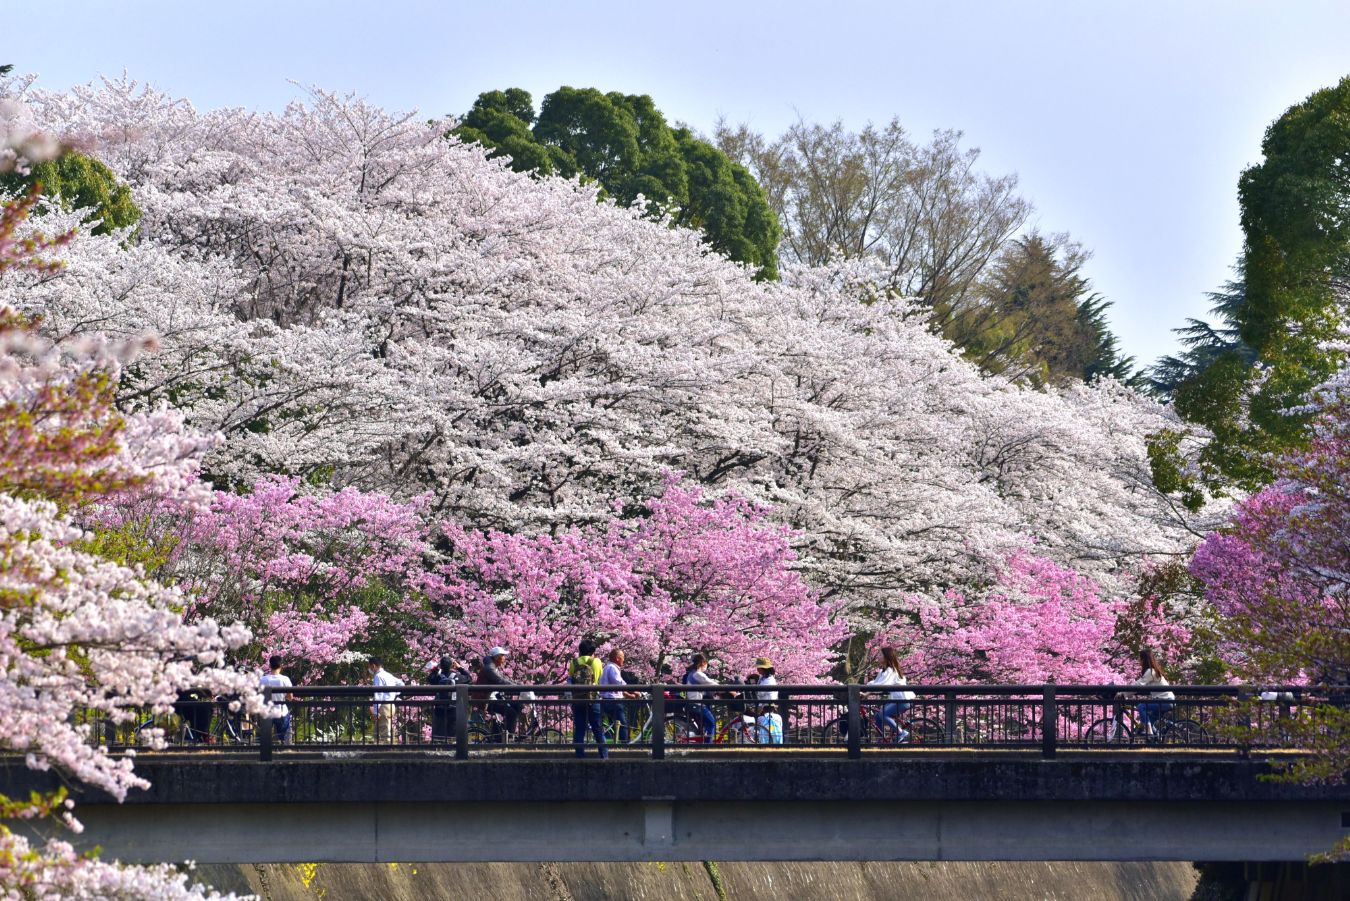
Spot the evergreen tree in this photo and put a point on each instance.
(1288, 304)
(624, 143)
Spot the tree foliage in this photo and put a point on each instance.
(1280, 575)
(78, 181)
(361, 302)
(1035, 316)
(1290, 300)
(625, 144)
(942, 232)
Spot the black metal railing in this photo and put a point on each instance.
(662, 719)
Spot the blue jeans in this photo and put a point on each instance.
(887, 714)
(704, 715)
(586, 716)
(1151, 711)
(281, 727)
(616, 712)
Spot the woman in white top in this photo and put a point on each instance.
(1151, 675)
(897, 702)
(764, 667)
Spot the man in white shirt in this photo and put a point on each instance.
(281, 725)
(383, 708)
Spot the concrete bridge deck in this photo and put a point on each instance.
(931, 806)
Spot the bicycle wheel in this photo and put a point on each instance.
(737, 732)
(1183, 732)
(551, 737)
(925, 731)
(835, 732)
(680, 731)
(1107, 731)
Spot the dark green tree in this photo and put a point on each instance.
(1035, 317)
(79, 181)
(623, 142)
(1294, 277)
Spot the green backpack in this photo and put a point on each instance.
(584, 671)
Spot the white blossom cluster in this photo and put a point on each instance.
(344, 292)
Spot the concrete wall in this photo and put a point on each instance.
(364, 832)
(695, 882)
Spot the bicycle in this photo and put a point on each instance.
(735, 729)
(1169, 728)
(640, 728)
(489, 726)
(922, 730)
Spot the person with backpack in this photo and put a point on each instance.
(586, 669)
(769, 726)
(697, 674)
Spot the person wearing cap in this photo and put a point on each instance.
(491, 674)
(764, 667)
(445, 672)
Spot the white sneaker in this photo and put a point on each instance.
(902, 735)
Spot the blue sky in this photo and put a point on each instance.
(1127, 122)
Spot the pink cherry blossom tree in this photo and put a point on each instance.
(678, 573)
(83, 637)
(1279, 574)
(352, 299)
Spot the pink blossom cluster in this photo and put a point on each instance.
(676, 574)
(1280, 572)
(1039, 622)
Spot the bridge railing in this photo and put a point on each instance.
(711, 719)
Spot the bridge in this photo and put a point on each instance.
(965, 791)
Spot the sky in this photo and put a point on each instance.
(1127, 123)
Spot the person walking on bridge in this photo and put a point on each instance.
(586, 670)
(443, 713)
(611, 701)
(273, 678)
(383, 706)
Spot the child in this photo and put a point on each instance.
(770, 726)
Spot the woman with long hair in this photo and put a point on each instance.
(1151, 674)
(897, 702)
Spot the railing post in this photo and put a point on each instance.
(658, 705)
(854, 722)
(949, 717)
(1244, 698)
(462, 722)
(1049, 720)
(265, 741)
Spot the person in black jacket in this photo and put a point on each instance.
(491, 674)
(443, 711)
